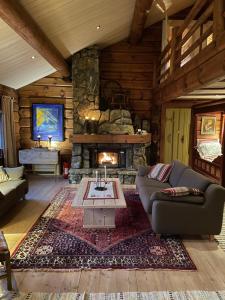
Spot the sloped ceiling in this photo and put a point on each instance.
(71, 25)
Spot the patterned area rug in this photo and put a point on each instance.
(58, 241)
(188, 295)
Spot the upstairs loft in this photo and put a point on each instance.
(191, 65)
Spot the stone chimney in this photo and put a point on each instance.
(85, 73)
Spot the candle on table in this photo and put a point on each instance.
(105, 172)
(96, 176)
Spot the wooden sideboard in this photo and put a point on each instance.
(42, 160)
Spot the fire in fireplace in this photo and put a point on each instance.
(107, 155)
(108, 158)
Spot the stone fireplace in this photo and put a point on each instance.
(111, 141)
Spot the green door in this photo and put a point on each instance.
(177, 129)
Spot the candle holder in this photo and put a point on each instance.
(39, 141)
(100, 184)
(93, 126)
(86, 125)
(49, 141)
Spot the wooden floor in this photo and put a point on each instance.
(209, 259)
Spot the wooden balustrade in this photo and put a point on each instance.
(191, 38)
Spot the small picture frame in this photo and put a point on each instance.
(208, 126)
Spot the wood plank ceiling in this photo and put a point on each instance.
(70, 25)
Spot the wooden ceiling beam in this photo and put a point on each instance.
(22, 23)
(7, 91)
(139, 19)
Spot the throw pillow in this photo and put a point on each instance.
(164, 173)
(154, 172)
(15, 173)
(195, 191)
(3, 176)
(181, 191)
(160, 172)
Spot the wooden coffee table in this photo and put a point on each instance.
(99, 208)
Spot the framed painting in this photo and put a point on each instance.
(208, 126)
(47, 120)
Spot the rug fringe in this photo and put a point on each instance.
(164, 294)
(98, 269)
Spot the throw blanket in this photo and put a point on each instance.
(209, 150)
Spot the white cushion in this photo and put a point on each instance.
(7, 187)
(15, 173)
(3, 175)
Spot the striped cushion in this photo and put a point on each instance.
(160, 172)
(196, 192)
(182, 191)
(164, 173)
(3, 244)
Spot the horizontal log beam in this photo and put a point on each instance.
(139, 20)
(22, 23)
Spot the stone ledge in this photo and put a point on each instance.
(126, 176)
(87, 171)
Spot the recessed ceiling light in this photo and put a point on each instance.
(33, 57)
(98, 27)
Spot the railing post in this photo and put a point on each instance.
(218, 18)
(174, 52)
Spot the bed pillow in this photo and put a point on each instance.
(182, 191)
(160, 172)
(15, 173)
(3, 176)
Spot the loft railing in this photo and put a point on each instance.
(203, 25)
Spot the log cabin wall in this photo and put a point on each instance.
(133, 66)
(51, 89)
(215, 169)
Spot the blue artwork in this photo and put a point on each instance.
(48, 121)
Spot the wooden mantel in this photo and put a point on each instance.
(110, 138)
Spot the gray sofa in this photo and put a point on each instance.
(186, 214)
(10, 193)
